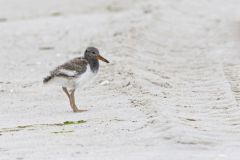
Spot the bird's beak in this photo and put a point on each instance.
(102, 59)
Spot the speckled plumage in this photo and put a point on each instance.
(77, 65)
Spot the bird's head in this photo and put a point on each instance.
(93, 53)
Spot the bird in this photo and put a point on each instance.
(76, 73)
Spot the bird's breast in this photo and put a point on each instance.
(86, 77)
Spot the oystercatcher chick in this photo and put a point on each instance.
(75, 73)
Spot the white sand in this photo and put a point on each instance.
(171, 91)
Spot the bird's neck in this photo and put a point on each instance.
(94, 65)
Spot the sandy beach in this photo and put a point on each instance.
(170, 92)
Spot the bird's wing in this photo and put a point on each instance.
(71, 69)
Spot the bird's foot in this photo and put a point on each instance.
(79, 110)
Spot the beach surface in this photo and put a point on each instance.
(170, 92)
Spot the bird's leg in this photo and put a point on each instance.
(69, 97)
(74, 106)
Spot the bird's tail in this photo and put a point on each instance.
(47, 79)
